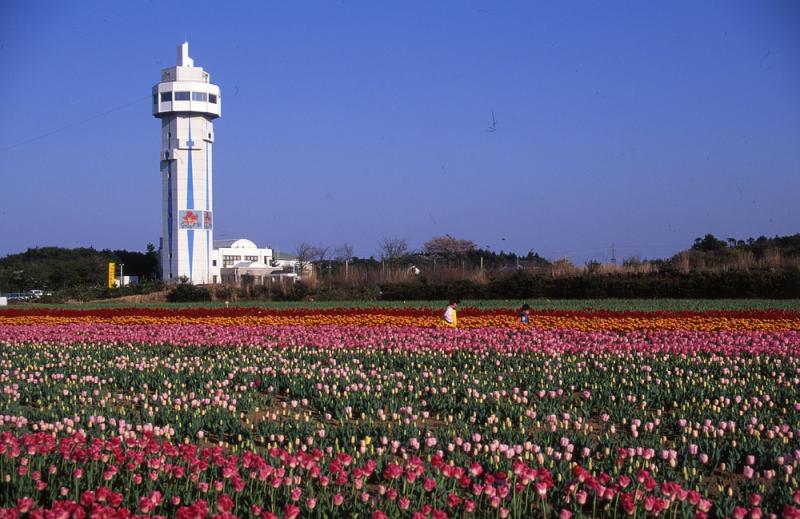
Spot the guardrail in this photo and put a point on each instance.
(21, 296)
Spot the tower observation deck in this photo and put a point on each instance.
(186, 102)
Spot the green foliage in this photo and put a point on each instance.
(709, 243)
(296, 292)
(185, 292)
(61, 269)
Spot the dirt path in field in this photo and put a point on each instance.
(153, 297)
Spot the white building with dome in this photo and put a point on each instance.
(232, 259)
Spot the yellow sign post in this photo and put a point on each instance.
(111, 278)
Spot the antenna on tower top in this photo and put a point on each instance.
(183, 55)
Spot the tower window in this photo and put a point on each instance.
(166, 96)
(212, 98)
(199, 96)
(155, 99)
(181, 96)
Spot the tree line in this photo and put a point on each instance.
(446, 264)
(59, 268)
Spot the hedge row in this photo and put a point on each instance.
(521, 285)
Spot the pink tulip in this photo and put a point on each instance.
(290, 511)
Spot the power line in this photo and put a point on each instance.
(613, 248)
(651, 246)
(75, 123)
(574, 251)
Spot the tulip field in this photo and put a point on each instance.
(385, 412)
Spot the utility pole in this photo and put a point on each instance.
(481, 264)
(613, 254)
(121, 277)
(346, 269)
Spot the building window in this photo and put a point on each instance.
(251, 258)
(181, 96)
(227, 261)
(213, 263)
(212, 98)
(199, 96)
(166, 96)
(155, 99)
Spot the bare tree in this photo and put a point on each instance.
(393, 249)
(319, 253)
(344, 252)
(305, 253)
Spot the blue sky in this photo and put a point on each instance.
(645, 124)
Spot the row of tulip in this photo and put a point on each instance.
(123, 477)
(494, 340)
(409, 311)
(775, 320)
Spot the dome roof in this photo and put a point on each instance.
(241, 243)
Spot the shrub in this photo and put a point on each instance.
(296, 292)
(673, 285)
(185, 292)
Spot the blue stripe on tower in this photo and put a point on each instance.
(189, 179)
(169, 215)
(208, 239)
(190, 196)
(191, 250)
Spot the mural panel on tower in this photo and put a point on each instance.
(190, 219)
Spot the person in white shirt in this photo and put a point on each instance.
(450, 317)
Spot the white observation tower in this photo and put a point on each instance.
(186, 102)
